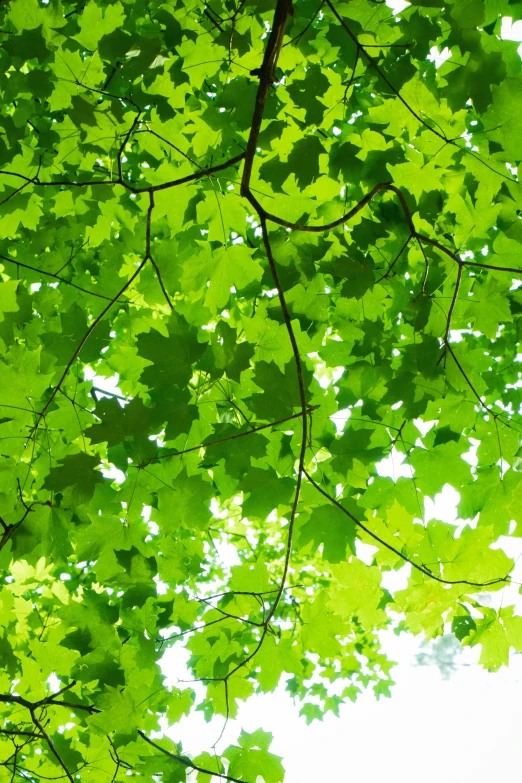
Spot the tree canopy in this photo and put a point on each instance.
(290, 234)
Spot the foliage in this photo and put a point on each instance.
(444, 653)
(293, 237)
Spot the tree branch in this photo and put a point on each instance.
(304, 410)
(193, 177)
(452, 304)
(100, 317)
(345, 218)
(187, 762)
(512, 269)
(55, 277)
(223, 440)
(377, 68)
(419, 567)
(399, 254)
(51, 745)
(266, 79)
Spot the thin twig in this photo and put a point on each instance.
(418, 566)
(187, 762)
(222, 440)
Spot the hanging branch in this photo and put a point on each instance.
(418, 566)
(266, 79)
(187, 762)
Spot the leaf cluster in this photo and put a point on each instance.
(260, 272)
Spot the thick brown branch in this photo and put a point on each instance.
(345, 218)
(440, 247)
(512, 269)
(266, 79)
(12, 698)
(214, 21)
(302, 453)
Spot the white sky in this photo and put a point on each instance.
(464, 729)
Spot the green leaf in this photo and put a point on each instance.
(78, 472)
(328, 526)
(219, 272)
(248, 762)
(433, 467)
